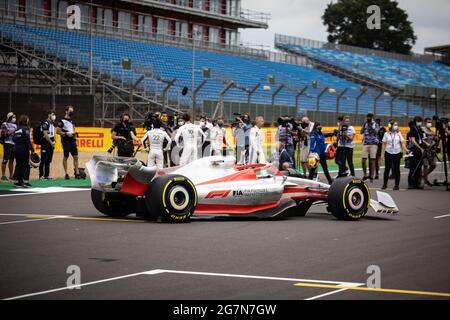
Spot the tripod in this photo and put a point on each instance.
(442, 137)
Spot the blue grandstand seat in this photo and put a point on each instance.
(168, 62)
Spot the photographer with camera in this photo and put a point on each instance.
(66, 129)
(431, 143)
(417, 147)
(303, 143)
(370, 145)
(346, 144)
(124, 134)
(286, 126)
(241, 131)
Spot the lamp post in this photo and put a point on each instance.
(195, 33)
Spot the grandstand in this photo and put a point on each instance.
(133, 60)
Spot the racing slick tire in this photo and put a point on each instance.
(117, 208)
(173, 198)
(348, 199)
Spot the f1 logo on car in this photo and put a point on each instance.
(218, 194)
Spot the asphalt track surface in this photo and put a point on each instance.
(315, 257)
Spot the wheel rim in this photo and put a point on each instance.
(356, 199)
(179, 198)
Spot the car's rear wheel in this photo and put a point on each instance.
(171, 197)
(118, 208)
(348, 199)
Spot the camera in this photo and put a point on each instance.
(288, 122)
(111, 149)
(441, 123)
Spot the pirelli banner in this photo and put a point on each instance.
(99, 139)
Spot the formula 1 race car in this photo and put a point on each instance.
(216, 187)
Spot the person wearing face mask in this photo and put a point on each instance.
(66, 129)
(431, 142)
(192, 136)
(7, 131)
(304, 143)
(169, 130)
(242, 134)
(157, 139)
(416, 137)
(124, 134)
(22, 148)
(393, 145)
(381, 133)
(218, 138)
(346, 145)
(47, 145)
(318, 145)
(370, 144)
(207, 128)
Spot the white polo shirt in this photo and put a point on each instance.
(393, 142)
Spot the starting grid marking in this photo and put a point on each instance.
(338, 286)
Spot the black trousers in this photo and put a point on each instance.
(392, 162)
(345, 155)
(46, 159)
(415, 171)
(323, 163)
(377, 160)
(22, 169)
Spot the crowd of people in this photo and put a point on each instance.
(300, 145)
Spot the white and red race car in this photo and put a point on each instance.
(215, 187)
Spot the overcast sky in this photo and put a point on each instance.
(302, 18)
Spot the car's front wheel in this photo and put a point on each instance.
(348, 199)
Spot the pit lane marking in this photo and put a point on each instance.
(399, 291)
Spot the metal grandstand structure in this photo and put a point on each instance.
(46, 73)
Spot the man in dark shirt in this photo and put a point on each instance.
(47, 145)
(123, 134)
(66, 129)
(381, 133)
(415, 136)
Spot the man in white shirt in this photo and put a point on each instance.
(218, 137)
(190, 134)
(256, 140)
(156, 138)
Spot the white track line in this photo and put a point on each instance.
(325, 294)
(30, 220)
(255, 277)
(30, 192)
(70, 288)
(160, 271)
(440, 217)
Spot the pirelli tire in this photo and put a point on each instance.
(348, 199)
(117, 208)
(173, 198)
